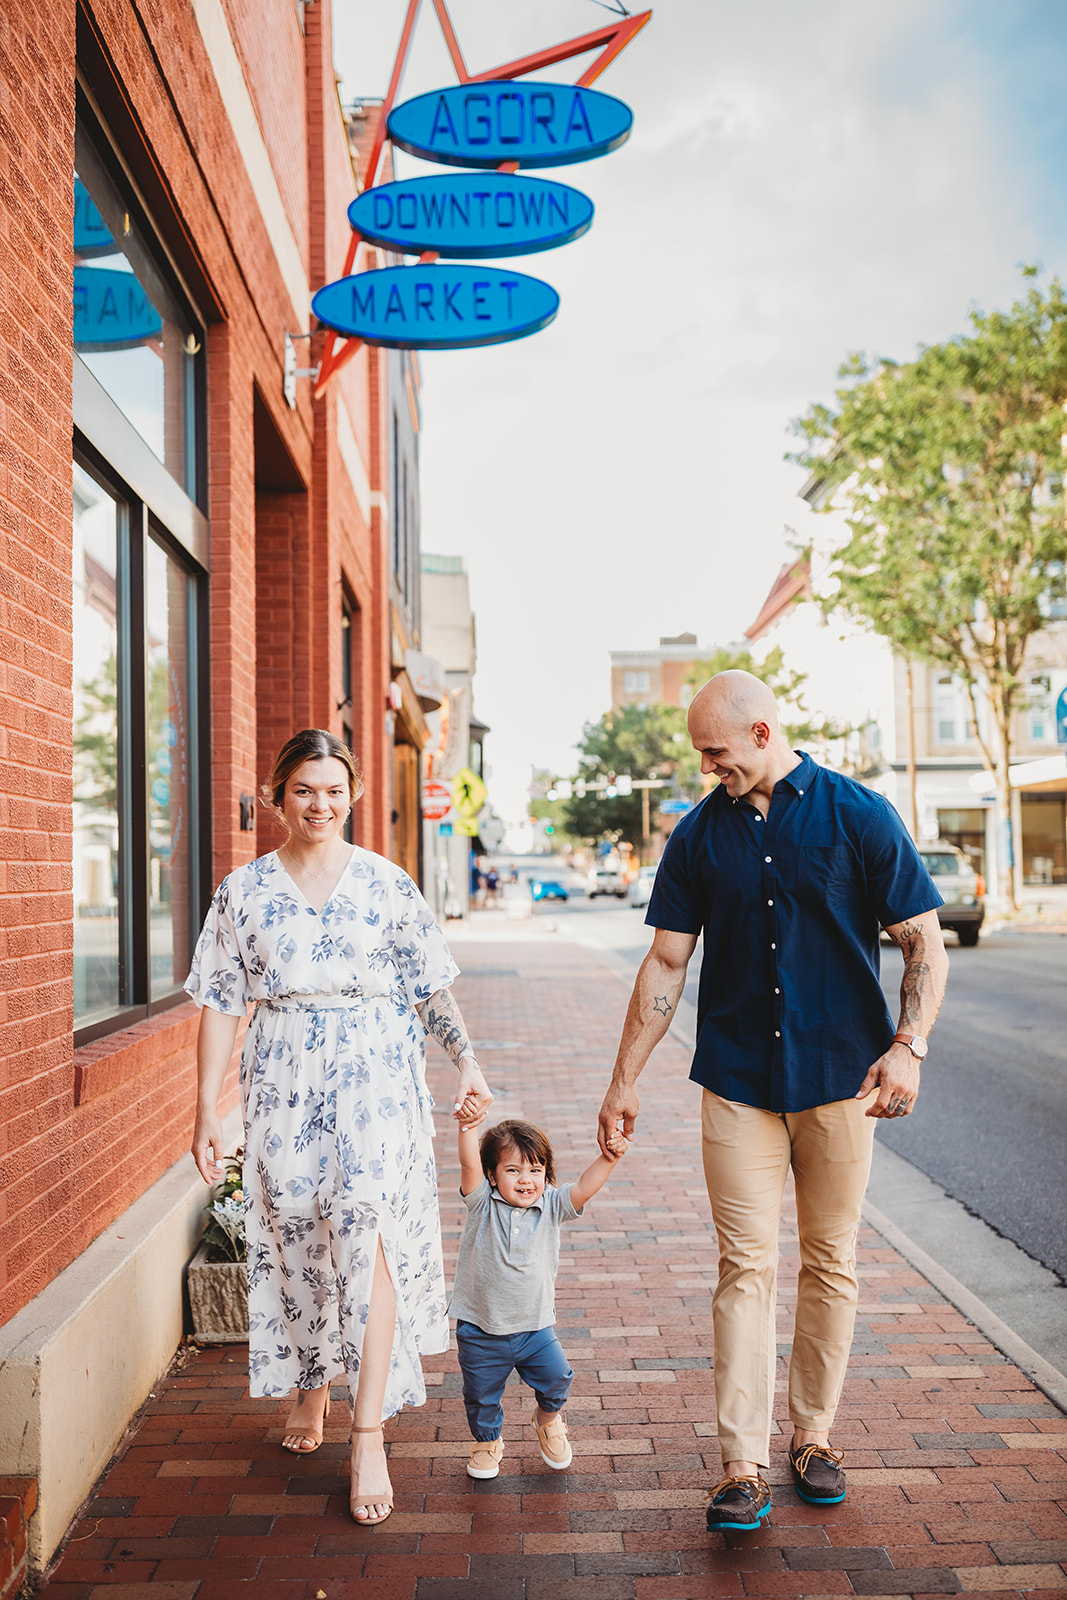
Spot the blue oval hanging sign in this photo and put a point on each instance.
(535, 124)
(111, 310)
(436, 307)
(461, 217)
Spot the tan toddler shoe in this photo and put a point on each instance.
(556, 1449)
(485, 1458)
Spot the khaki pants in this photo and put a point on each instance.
(746, 1155)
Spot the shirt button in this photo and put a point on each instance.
(766, 858)
(774, 947)
(800, 791)
(777, 1035)
(778, 991)
(770, 902)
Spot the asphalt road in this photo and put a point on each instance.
(991, 1125)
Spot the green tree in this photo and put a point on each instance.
(641, 742)
(949, 469)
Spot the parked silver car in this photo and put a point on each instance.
(605, 880)
(640, 890)
(962, 890)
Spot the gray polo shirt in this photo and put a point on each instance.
(508, 1260)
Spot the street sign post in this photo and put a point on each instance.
(468, 794)
(436, 800)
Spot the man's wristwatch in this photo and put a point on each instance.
(915, 1043)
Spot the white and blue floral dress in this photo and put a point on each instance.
(338, 1124)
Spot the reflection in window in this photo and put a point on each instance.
(167, 664)
(128, 328)
(96, 748)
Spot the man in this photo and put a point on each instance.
(787, 869)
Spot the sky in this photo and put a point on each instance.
(805, 178)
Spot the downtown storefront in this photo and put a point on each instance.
(198, 559)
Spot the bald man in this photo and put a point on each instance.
(788, 870)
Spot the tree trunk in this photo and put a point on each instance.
(1006, 840)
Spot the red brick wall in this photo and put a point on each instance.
(36, 906)
(84, 1132)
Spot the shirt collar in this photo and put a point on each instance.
(801, 778)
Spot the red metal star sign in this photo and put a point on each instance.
(610, 40)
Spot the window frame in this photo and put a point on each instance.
(137, 522)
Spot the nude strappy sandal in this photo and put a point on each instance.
(372, 1499)
(314, 1434)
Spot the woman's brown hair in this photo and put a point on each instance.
(525, 1137)
(311, 744)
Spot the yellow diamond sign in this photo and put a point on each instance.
(468, 793)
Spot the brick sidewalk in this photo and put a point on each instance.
(955, 1481)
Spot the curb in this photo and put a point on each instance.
(1042, 1373)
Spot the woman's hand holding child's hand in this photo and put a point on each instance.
(473, 1095)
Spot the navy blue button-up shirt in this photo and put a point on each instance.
(790, 1013)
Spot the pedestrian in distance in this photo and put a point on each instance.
(348, 972)
(503, 1297)
(788, 870)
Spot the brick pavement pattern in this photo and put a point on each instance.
(957, 1464)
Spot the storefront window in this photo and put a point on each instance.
(96, 747)
(136, 866)
(128, 327)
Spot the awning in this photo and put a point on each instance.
(1047, 775)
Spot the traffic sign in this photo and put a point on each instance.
(468, 793)
(436, 800)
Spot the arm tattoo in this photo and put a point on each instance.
(914, 984)
(441, 1017)
(662, 1005)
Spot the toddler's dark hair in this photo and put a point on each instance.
(525, 1137)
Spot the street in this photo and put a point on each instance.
(991, 1124)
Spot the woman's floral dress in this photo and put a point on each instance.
(337, 1115)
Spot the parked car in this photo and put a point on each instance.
(640, 890)
(605, 880)
(547, 889)
(962, 890)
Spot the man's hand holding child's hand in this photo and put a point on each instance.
(617, 1145)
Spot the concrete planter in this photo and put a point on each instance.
(218, 1296)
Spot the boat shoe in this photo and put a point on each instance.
(739, 1504)
(817, 1475)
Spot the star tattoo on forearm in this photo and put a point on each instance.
(662, 1005)
(441, 1017)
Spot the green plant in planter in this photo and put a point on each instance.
(224, 1235)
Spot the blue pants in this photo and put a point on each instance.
(488, 1360)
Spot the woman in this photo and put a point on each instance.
(348, 971)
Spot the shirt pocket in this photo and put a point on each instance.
(825, 874)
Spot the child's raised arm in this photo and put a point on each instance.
(470, 1161)
(595, 1177)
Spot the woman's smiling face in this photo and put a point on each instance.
(518, 1181)
(316, 800)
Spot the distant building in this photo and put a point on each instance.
(655, 677)
(456, 734)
